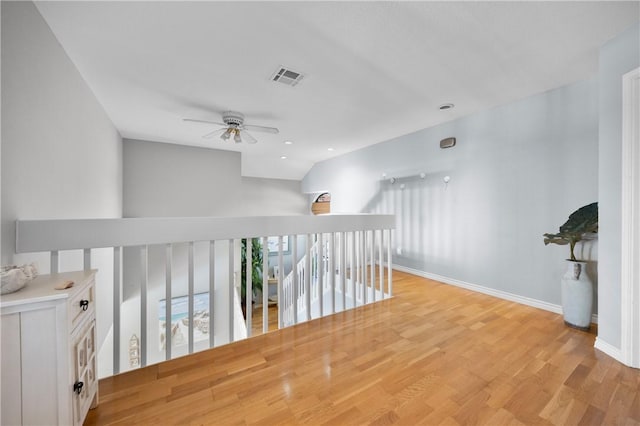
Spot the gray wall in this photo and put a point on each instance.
(171, 180)
(61, 155)
(517, 172)
(617, 57)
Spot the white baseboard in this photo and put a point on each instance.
(608, 349)
(490, 291)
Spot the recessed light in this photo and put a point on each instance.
(288, 143)
(284, 157)
(444, 107)
(330, 149)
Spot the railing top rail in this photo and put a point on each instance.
(70, 234)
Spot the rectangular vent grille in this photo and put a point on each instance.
(287, 76)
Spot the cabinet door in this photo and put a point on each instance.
(85, 383)
(10, 411)
(43, 345)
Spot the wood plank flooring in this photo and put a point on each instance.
(256, 320)
(434, 354)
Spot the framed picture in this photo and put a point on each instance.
(272, 245)
(180, 319)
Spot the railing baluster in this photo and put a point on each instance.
(373, 263)
(212, 286)
(381, 263)
(365, 277)
(389, 280)
(332, 270)
(190, 296)
(294, 276)
(232, 290)
(343, 268)
(307, 278)
(358, 265)
(86, 254)
(281, 302)
(144, 273)
(321, 273)
(265, 285)
(117, 301)
(53, 267)
(249, 284)
(353, 269)
(167, 308)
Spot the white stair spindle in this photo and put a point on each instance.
(117, 301)
(281, 299)
(232, 290)
(389, 280)
(381, 264)
(365, 275)
(295, 277)
(249, 284)
(307, 279)
(353, 269)
(332, 270)
(265, 285)
(167, 308)
(144, 274)
(321, 273)
(86, 254)
(212, 286)
(358, 265)
(54, 262)
(343, 268)
(373, 263)
(190, 296)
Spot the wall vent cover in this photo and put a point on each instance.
(287, 76)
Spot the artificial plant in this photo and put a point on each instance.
(581, 222)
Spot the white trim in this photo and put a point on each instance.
(630, 238)
(523, 300)
(608, 349)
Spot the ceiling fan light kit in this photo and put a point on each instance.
(234, 123)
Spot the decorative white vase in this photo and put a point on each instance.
(577, 295)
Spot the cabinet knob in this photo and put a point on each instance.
(84, 304)
(77, 387)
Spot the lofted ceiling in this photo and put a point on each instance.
(373, 70)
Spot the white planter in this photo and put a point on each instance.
(577, 295)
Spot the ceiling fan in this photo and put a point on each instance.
(234, 127)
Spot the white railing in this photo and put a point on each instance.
(354, 276)
(195, 262)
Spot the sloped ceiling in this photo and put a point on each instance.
(373, 70)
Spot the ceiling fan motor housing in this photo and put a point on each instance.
(233, 118)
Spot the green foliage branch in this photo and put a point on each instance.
(581, 222)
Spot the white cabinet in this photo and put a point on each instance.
(48, 352)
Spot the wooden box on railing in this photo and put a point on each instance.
(321, 208)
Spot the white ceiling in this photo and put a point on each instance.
(374, 70)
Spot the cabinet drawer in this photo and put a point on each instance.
(82, 304)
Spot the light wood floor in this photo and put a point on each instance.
(434, 354)
(256, 320)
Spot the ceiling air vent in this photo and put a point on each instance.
(287, 76)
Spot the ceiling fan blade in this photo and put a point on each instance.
(217, 132)
(261, 128)
(246, 137)
(193, 120)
